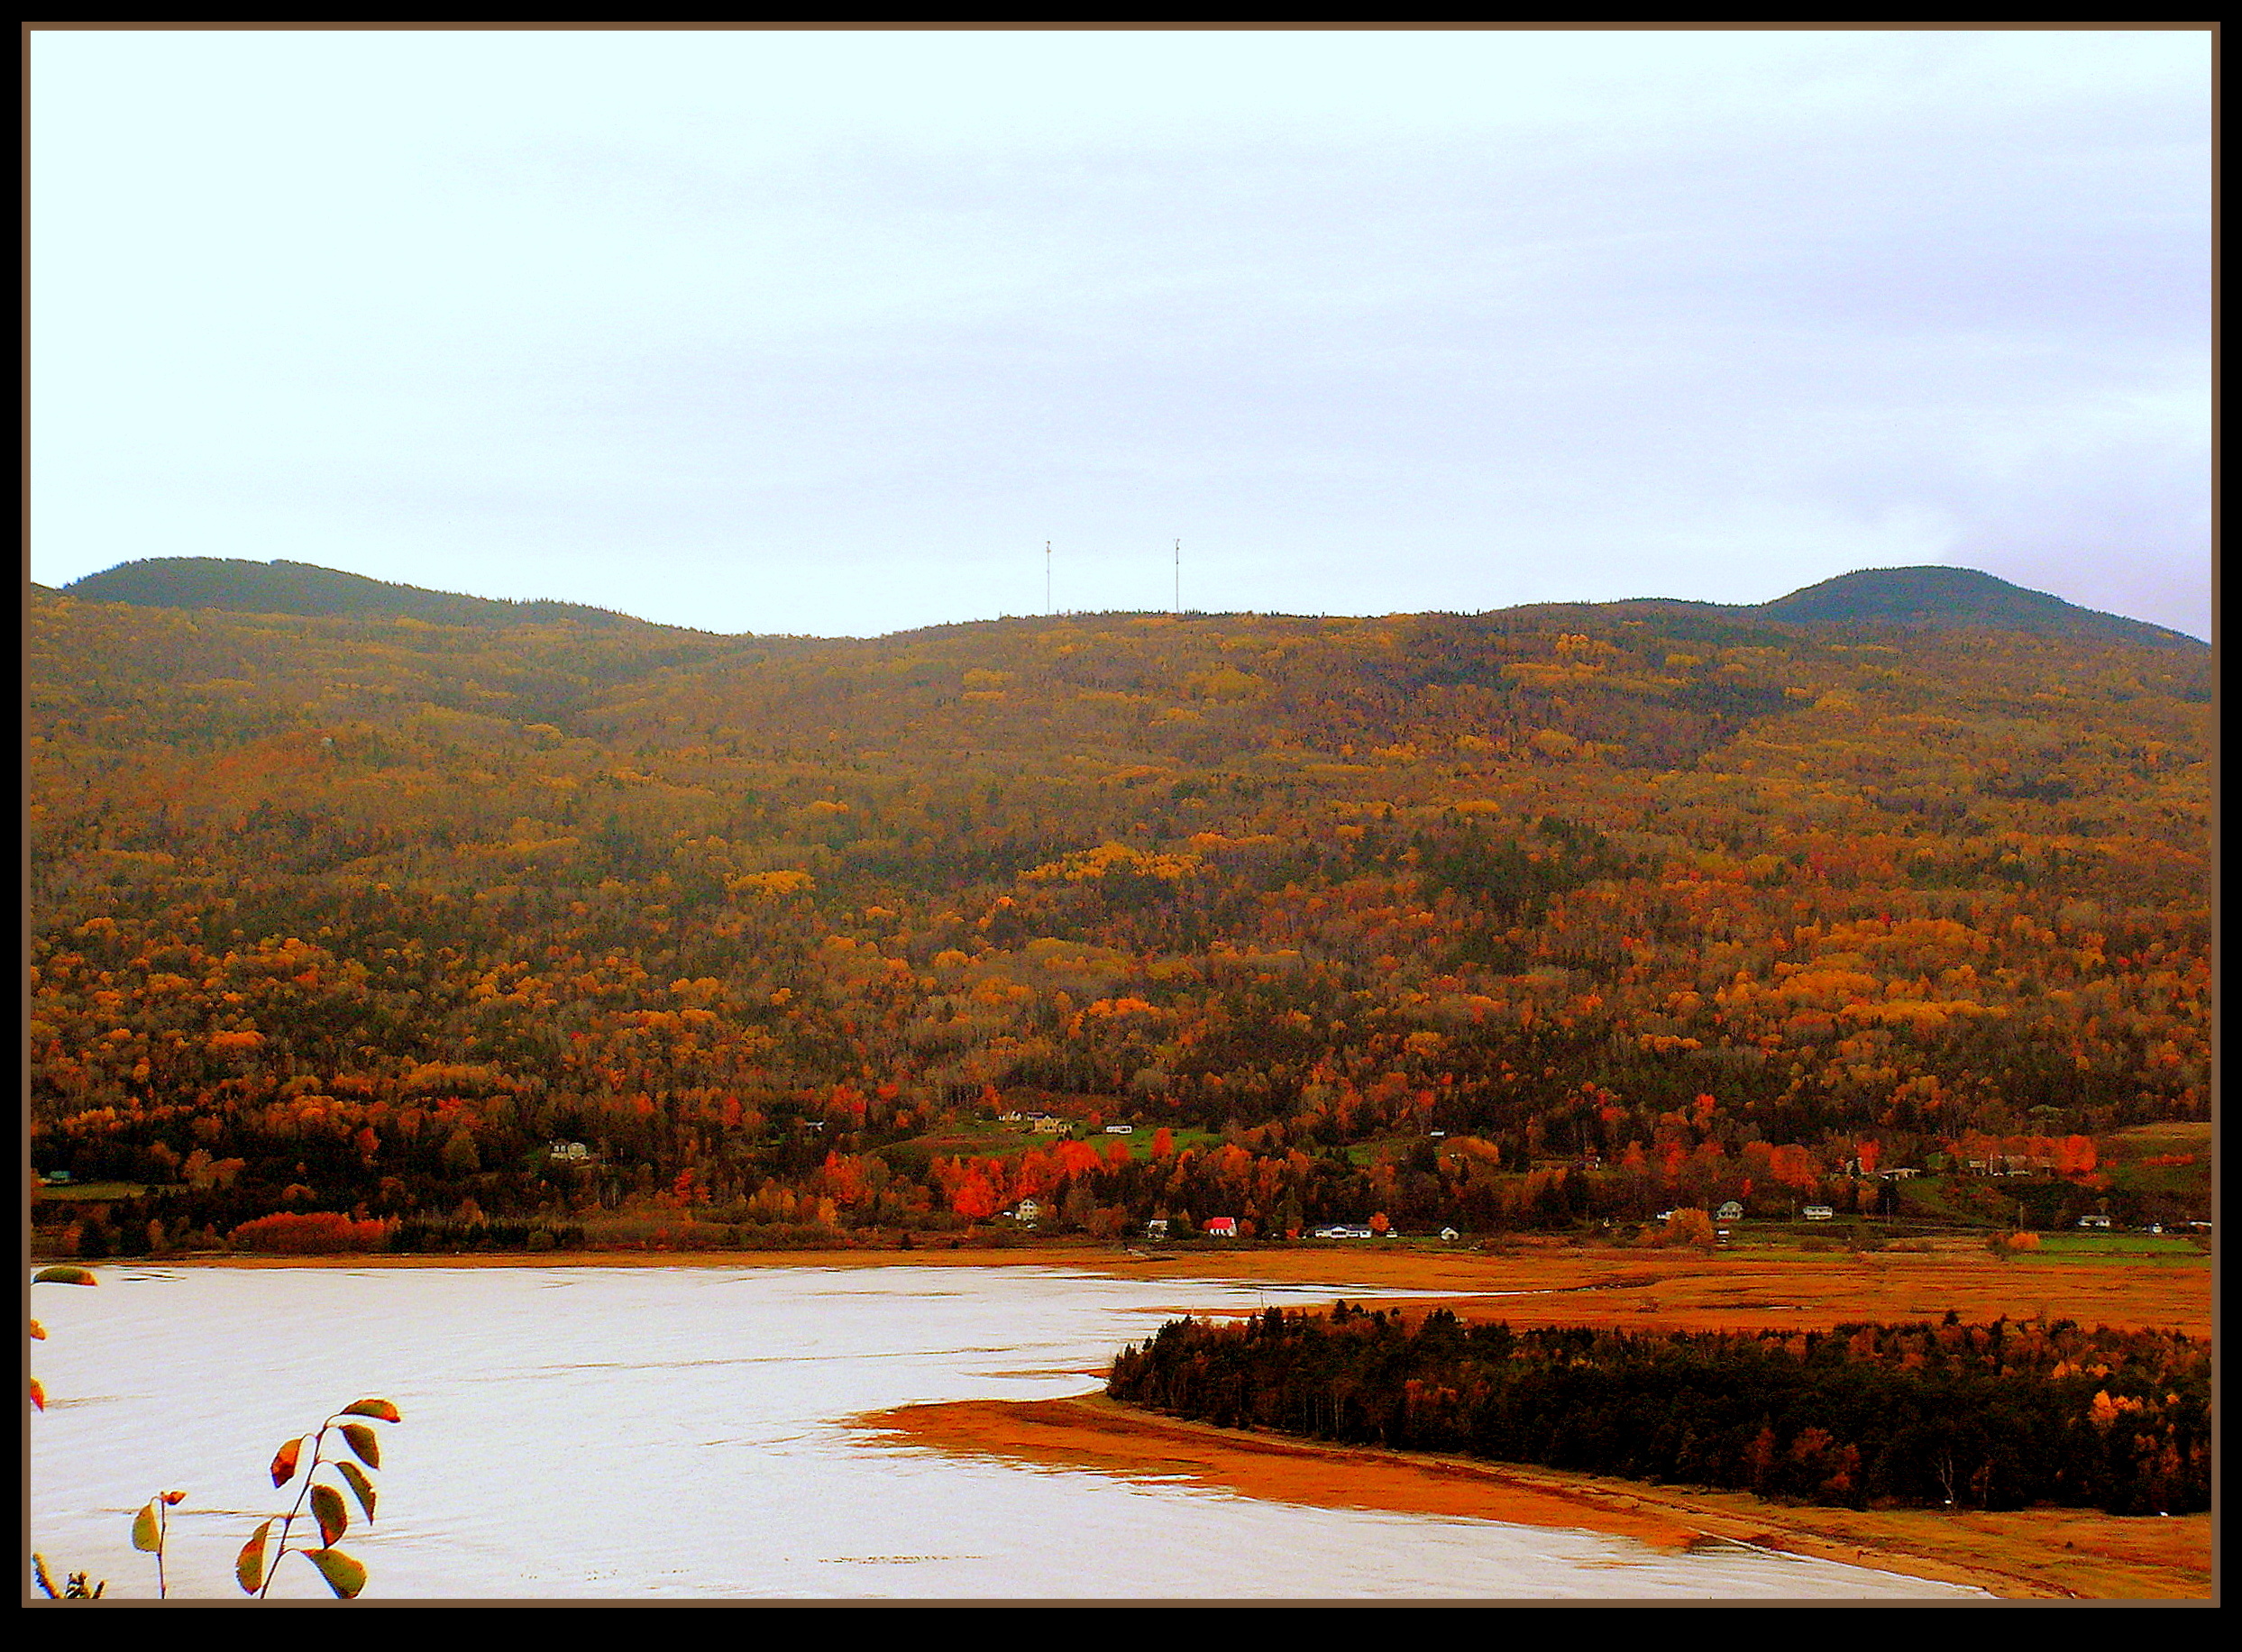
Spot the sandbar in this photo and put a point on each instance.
(1530, 1285)
(2032, 1554)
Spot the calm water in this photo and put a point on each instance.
(645, 1433)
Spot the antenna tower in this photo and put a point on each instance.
(1047, 579)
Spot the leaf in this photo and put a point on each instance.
(327, 1507)
(364, 1443)
(345, 1575)
(39, 1331)
(39, 1394)
(249, 1565)
(147, 1536)
(63, 1276)
(356, 1477)
(284, 1461)
(379, 1409)
(175, 1497)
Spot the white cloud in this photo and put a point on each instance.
(829, 332)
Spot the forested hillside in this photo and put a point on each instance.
(1637, 906)
(282, 587)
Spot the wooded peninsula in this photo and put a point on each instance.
(2002, 1416)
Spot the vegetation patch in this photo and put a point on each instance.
(1997, 1416)
(1550, 919)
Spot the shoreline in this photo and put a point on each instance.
(2041, 1554)
(2032, 1554)
(1529, 1286)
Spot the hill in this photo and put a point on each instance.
(1874, 597)
(1641, 906)
(280, 587)
(1956, 596)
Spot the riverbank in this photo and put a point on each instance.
(2035, 1554)
(1532, 1283)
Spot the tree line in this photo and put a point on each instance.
(1997, 1416)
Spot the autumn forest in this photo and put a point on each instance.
(514, 932)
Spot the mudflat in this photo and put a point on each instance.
(2027, 1554)
(2048, 1553)
(1534, 1283)
(2022, 1554)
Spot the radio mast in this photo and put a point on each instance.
(1047, 579)
(1179, 577)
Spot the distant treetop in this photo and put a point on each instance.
(280, 587)
(1933, 597)
(1952, 597)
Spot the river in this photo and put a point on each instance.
(684, 1433)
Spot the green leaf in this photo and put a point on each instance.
(364, 1443)
(345, 1575)
(284, 1461)
(147, 1536)
(356, 1478)
(249, 1566)
(327, 1507)
(63, 1276)
(379, 1409)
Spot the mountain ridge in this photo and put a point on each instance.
(308, 590)
(1912, 597)
(1635, 900)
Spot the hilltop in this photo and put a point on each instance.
(281, 587)
(1876, 598)
(1957, 597)
(1879, 600)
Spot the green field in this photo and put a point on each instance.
(82, 1192)
(2150, 1245)
(2169, 1136)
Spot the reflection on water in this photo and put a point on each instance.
(653, 1433)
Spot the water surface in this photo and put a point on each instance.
(685, 1433)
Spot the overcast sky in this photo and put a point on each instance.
(829, 333)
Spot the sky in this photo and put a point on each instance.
(830, 333)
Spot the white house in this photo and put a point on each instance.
(1732, 1211)
(1220, 1228)
(2093, 1221)
(1819, 1213)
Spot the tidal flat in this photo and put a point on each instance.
(705, 1432)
